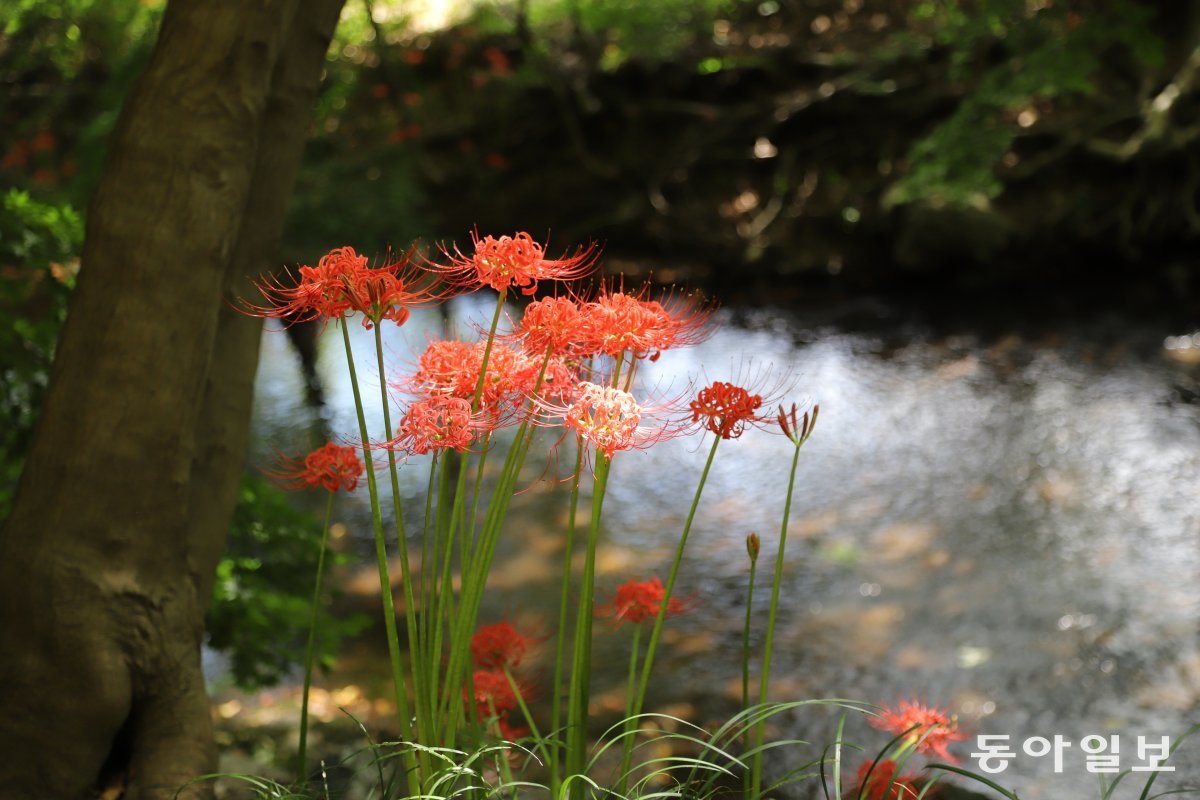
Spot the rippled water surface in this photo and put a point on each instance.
(1001, 520)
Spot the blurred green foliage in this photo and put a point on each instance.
(263, 593)
(627, 29)
(66, 66)
(39, 246)
(1015, 55)
(401, 109)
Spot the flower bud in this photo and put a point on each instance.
(752, 546)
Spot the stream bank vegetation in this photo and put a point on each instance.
(868, 144)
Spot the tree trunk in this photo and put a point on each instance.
(106, 560)
(223, 429)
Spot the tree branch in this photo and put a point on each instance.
(1155, 114)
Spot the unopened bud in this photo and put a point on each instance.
(752, 546)
(782, 418)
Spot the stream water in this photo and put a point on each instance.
(998, 518)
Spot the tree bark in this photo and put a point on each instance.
(223, 426)
(106, 560)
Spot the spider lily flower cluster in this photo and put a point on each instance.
(512, 261)
(924, 728)
(638, 601)
(497, 650)
(918, 728)
(567, 365)
(343, 283)
(332, 466)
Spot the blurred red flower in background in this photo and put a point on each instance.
(498, 646)
(333, 466)
(638, 601)
(930, 729)
(873, 784)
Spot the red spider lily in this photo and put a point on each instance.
(390, 290)
(333, 466)
(552, 324)
(611, 419)
(510, 376)
(928, 728)
(498, 646)
(446, 367)
(343, 282)
(872, 784)
(638, 601)
(617, 322)
(511, 733)
(451, 368)
(560, 382)
(513, 261)
(493, 694)
(681, 320)
(317, 292)
(608, 418)
(494, 698)
(727, 407)
(437, 423)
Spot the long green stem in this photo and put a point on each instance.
(764, 677)
(466, 546)
(424, 712)
(630, 722)
(468, 530)
(426, 681)
(487, 348)
(475, 574)
(656, 631)
(445, 600)
(310, 647)
(385, 582)
(746, 643)
(564, 604)
(746, 637)
(633, 662)
(462, 622)
(502, 765)
(539, 742)
(443, 609)
(475, 582)
(577, 703)
(618, 362)
(478, 487)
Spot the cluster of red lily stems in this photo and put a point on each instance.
(569, 363)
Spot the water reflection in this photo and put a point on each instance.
(1003, 523)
